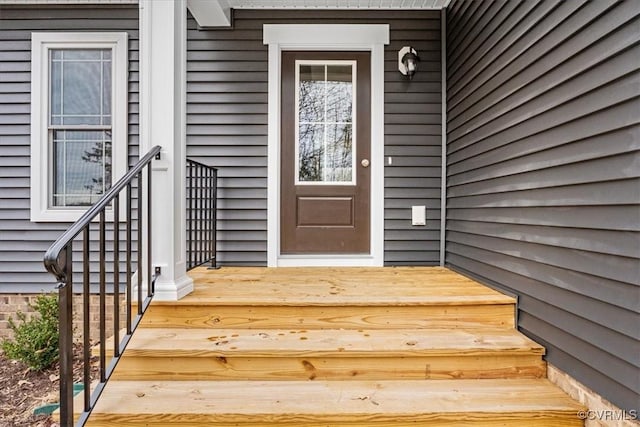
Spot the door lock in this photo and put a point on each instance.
(365, 163)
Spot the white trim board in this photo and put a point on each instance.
(443, 154)
(330, 37)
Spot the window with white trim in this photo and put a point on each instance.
(78, 120)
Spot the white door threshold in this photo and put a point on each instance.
(328, 260)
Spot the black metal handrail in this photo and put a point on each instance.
(58, 260)
(202, 187)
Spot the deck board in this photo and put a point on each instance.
(354, 343)
(336, 402)
(349, 285)
(287, 354)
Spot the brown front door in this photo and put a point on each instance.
(326, 146)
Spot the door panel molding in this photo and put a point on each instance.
(371, 38)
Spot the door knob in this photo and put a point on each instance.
(365, 163)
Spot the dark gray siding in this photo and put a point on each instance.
(227, 128)
(22, 243)
(542, 178)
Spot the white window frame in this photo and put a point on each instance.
(41, 44)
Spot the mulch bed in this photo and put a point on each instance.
(22, 390)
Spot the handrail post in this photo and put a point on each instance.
(65, 305)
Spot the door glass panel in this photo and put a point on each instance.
(339, 93)
(325, 113)
(339, 153)
(311, 106)
(311, 146)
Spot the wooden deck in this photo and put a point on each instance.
(332, 347)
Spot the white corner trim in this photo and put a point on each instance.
(443, 154)
(273, 157)
(329, 37)
(41, 43)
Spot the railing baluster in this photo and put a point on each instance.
(140, 265)
(149, 235)
(215, 219)
(190, 214)
(103, 302)
(86, 316)
(129, 269)
(116, 276)
(198, 215)
(209, 212)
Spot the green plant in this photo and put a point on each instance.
(35, 338)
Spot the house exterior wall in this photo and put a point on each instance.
(227, 128)
(23, 243)
(542, 175)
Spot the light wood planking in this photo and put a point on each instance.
(353, 343)
(354, 286)
(194, 315)
(330, 354)
(399, 297)
(360, 403)
(331, 347)
(330, 368)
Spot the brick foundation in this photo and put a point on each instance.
(11, 304)
(601, 412)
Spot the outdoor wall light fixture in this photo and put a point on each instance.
(408, 61)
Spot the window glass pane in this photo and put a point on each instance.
(81, 166)
(80, 87)
(311, 152)
(312, 93)
(106, 93)
(82, 54)
(338, 162)
(56, 92)
(339, 93)
(81, 97)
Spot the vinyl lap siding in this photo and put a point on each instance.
(22, 243)
(227, 128)
(542, 181)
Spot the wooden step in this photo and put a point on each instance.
(487, 403)
(313, 298)
(270, 354)
(329, 317)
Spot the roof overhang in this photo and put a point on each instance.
(217, 13)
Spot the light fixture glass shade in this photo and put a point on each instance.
(408, 61)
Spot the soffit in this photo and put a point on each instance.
(217, 13)
(336, 4)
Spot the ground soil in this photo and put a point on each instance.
(22, 390)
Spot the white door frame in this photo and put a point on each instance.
(330, 37)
